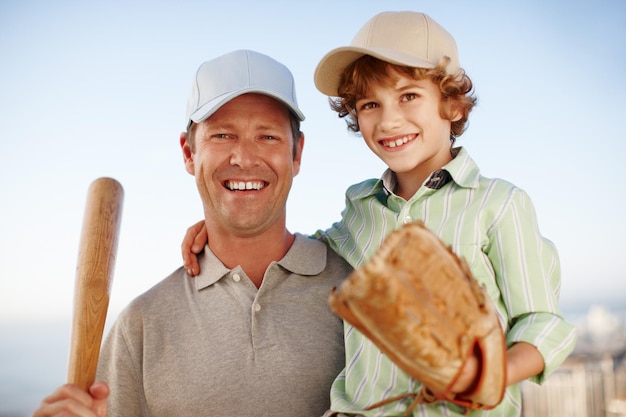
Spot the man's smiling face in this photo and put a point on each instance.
(244, 163)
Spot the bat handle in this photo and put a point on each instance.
(94, 275)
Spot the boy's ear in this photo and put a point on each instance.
(456, 116)
(452, 110)
(187, 154)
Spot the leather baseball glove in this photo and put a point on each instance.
(419, 304)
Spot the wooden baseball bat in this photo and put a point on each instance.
(94, 275)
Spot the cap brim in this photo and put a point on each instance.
(205, 111)
(330, 68)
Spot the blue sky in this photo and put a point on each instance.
(95, 88)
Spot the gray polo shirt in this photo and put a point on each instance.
(215, 345)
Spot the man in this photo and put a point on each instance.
(252, 334)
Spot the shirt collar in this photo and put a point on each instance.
(462, 170)
(305, 257)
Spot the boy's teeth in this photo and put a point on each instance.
(397, 142)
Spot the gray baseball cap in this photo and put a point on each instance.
(220, 80)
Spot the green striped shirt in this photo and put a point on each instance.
(489, 222)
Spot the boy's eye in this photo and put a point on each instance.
(367, 105)
(409, 96)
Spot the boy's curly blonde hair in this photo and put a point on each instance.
(457, 91)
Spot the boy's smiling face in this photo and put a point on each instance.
(401, 123)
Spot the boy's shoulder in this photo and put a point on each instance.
(499, 185)
(495, 182)
(364, 188)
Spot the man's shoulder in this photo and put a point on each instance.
(318, 255)
(170, 288)
(336, 262)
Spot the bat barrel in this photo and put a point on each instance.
(94, 276)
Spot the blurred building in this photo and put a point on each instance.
(592, 381)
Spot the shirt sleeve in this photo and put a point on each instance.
(120, 369)
(528, 275)
(338, 234)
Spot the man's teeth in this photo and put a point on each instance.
(397, 142)
(244, 185)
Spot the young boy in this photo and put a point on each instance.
(401, 86)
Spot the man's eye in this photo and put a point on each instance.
(269, 137)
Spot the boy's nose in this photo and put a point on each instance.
(389, 119)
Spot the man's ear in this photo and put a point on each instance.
(187, 154)
(297, 160)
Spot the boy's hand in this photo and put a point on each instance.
(70, 401)
(469, 376)
(193, 243)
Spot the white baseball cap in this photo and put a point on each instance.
(404, 38)
(220, 80)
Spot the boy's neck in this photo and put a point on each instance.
(410, 181)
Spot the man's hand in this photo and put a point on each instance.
(70, 401)
(193, 243)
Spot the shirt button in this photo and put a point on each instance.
(236, 277)
(257, 307)
(407, 219)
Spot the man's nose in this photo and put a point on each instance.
(244, 153)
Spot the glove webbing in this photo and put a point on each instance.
(423, 396)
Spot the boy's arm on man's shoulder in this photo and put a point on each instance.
(196, 237)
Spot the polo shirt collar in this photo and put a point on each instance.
(306, 257)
